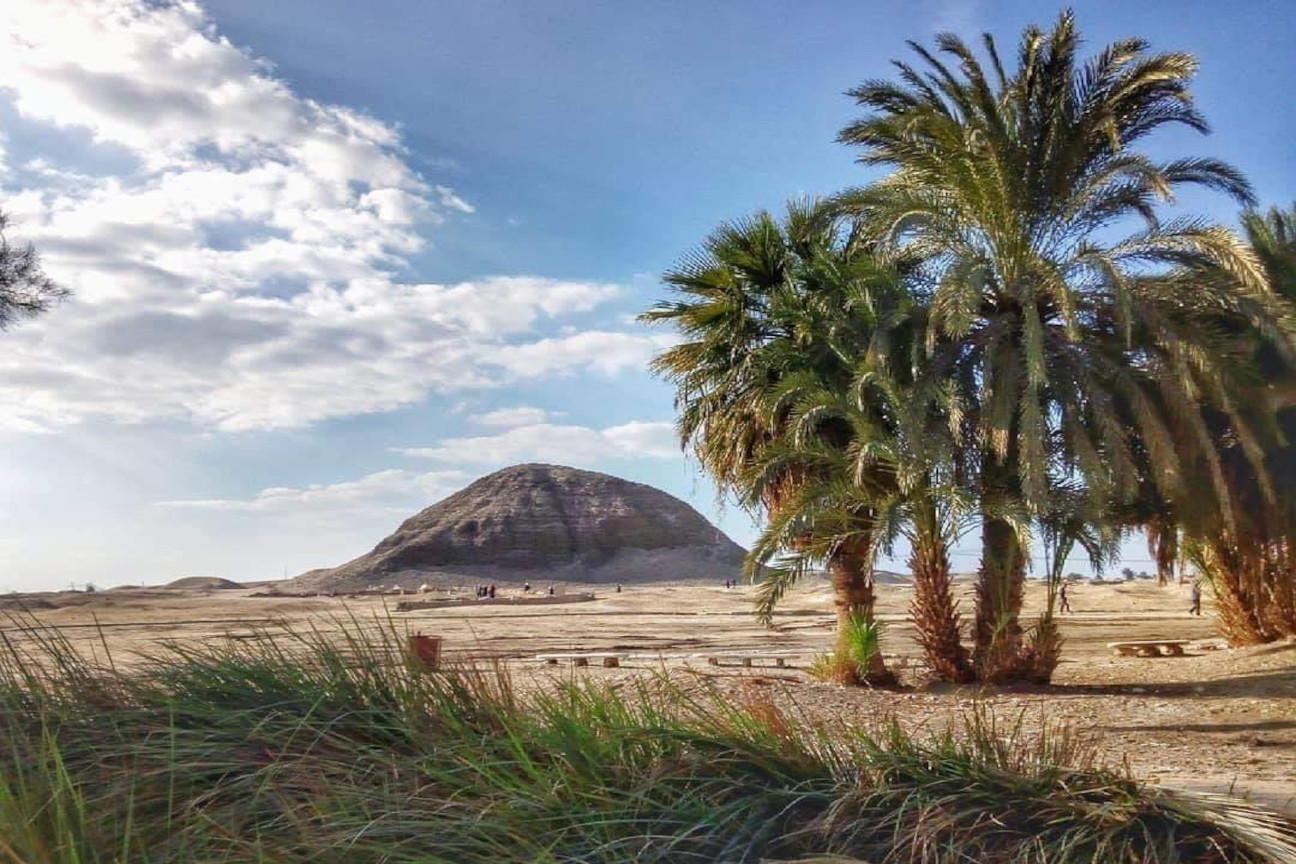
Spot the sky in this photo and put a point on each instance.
(334, 260)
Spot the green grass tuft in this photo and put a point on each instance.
(297, 748)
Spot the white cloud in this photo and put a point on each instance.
(385, 490)
(239, 362)
(639, 438)
(449, 199)
(237, 267)
(522, 415)
(158, 80)
(547, 442)
(607, 352)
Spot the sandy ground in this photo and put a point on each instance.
(1216, 719)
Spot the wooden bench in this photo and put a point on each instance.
(1150, 648)
(609, 658)
(780, 660)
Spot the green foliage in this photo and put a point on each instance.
(1004, 316)
(861, 641)
(856, 656)
(302, 748)
(1077, 310)
(772, 312)
(1244, 539)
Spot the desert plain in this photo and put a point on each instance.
(1216, 719)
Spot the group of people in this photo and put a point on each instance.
(487, 592)
(1064, 602)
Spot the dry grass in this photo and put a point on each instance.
(300, 748)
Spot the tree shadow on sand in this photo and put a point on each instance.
(1276, 683)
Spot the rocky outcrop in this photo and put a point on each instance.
(544, 522)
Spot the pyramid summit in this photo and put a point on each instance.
(535, 521)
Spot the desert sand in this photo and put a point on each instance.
(1218, 718)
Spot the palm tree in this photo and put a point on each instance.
(1163, 545)
(1069, 521)
(1245, 540)
(935, 612)
(766, 307)
(895, 473)
(1272, 237)
(1035, 216)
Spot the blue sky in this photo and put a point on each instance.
(333, 260)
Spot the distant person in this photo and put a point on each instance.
(1196, 598)
(526, 587)
(551, 591)
(618, 587)
(1064, 604)
(490, 592)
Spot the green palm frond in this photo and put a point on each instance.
(1005, 321)
(1049, 271)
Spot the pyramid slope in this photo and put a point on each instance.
(533, 522)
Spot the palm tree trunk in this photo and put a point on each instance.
(1282, 581)
(852, 582)
(934, 609)
(851, 573)
(1253, 586)
(1163, 543)
(999, 593)
(1226, 568)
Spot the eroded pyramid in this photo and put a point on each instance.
(536, 522)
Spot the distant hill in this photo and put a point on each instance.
(543, 522)
(197, 582)
(890, 577)
(882, 577)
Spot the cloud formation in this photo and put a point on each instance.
(548, 442)
(522, 415)
(238, 250)
(525, 438)
(381, 491)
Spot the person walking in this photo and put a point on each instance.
(1064, 604)
(1196, 598)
